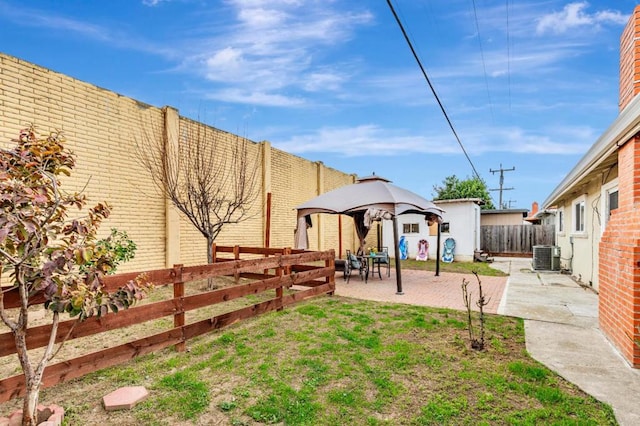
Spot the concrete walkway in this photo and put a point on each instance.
(561, 323)
(561, 331)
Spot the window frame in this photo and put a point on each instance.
(580, 201)
(560, 221)
(445, 228)
(414, 228)
(605, 192)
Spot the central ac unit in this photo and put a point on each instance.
(546, 258)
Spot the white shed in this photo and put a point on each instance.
(460, 221)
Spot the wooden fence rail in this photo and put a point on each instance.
(279, 268)
(515, 239)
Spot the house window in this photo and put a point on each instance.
(609, 200)
(613, 202)
(410, 228)
(444, 227)
(579, 215)
(561, 221)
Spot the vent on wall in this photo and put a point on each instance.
(546, 258)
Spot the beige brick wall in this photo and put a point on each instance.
(102, 128)
(293, 181)
(335, 179)
(99, 126)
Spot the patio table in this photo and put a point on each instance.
(372, 259)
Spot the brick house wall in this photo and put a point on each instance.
(629, 60)
(619, 266)
(101, 127)
(619, 250)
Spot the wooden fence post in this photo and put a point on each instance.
(287, 251)
(279, 292)
(331, 279)
(236, 256)
(178, 294)
(280, 272)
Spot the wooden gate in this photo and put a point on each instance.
(515, 239)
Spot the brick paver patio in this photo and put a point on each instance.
(424, 288)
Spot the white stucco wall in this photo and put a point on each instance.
(579, 250)
(464, 227)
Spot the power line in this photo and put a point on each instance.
(484, 65)
(433, 90)
(508, 57)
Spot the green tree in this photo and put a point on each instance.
(42, 249)
(118, 245)
(453, 188)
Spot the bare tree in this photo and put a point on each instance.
(208, 175)
(482, 301)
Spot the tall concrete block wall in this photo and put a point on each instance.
(98, 125)
(101, 127)
(333, 179)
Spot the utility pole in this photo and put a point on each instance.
(501, 170)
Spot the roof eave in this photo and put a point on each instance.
(626, 125)
(478, 201)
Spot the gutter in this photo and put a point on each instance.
(624, 127)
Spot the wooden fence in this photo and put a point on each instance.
(271, 269)
(515, 239)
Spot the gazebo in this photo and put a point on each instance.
(371, 198)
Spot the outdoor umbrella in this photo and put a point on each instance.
(372, 198)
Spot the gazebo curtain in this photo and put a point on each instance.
(361, 229)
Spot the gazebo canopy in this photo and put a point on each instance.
(370, 198)
(371, 192)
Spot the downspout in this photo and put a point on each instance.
(571, 258)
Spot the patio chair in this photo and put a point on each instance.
(341, 265)
(449, 248)
(353, 263)
(383, 261)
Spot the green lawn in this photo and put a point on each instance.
(336, 361)
(461, 267)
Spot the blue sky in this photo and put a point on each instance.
(528, 84)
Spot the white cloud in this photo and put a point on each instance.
(272, 47)
(224, 64)
(614, 17)
(237, 95)
(516, 140)
(373, 140)
(261, 18)
(575, 15)
(38, 19)
(366, 139)
(152, 3)
(319, 81)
